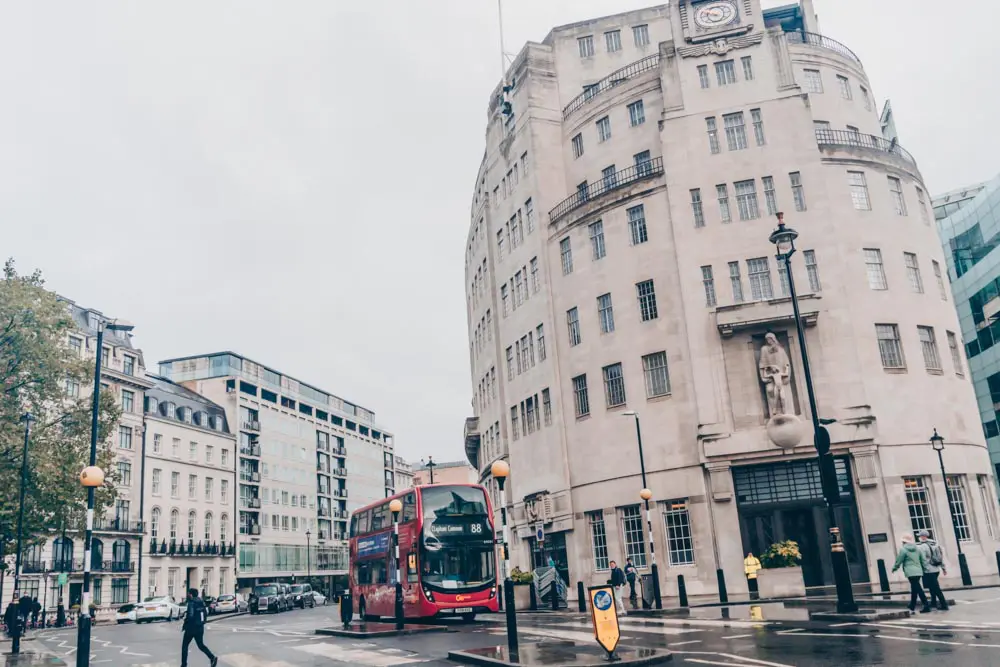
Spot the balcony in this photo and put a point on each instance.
(612, 80)
(616, 181)
(252, 450)
(250, 503)
(340, 493)
(34, 567)
(118, 525)
(255, 477)
(113, 566)
(851, 140)
(340, 472)
(324, 512)
(813, 39)
(250, 425)
(182, 548)
(338, 451)
(339, 514)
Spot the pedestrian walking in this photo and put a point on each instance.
(911, 559)
(618, 586)
(933, 567)
(631, 574)
(194, 628)
(751, 565)
(36, 609)
(11, 619)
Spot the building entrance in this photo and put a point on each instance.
(554, 549)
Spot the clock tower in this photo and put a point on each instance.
(718, 26)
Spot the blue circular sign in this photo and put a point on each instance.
(603, 600)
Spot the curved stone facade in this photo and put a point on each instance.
(653, 154)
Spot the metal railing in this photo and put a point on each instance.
(113, 566)
(182, 548)
(118, 525)
(872, 142)
(616, 78)
(619, 179)
(814, 39)
(250, 425)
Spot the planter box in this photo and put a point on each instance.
(783, 582)
(522, 597)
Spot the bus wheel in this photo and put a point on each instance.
(468, 618)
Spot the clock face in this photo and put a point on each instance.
(715, 14)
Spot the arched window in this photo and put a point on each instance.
(33, 555)
(175, 517)
(62, 554)
(154, 525)
(223, 527)
(208, 526)
(121, 553)
(192, 518)
(96, 553)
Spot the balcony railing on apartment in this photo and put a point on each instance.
(340, 472)
(339, 514)
(250, 425)
(619, 179)
(814, 39)
(340, 493)
(252, 450)
(323, 512)
(76, 565)
(616, 78)
(338, 451)
(252, 529)
(118, 525)
(182, 548)
(852, 139)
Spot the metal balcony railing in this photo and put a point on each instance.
(182, 548)
(619, 179)
(338, 451)
(616, 78)
(852, 139)
(814, 39)
(251, 425)
(118, 525)
(113, 566)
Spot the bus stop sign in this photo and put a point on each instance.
(604, 614)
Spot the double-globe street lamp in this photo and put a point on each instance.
(783, 239)
(396, 506)
(937, 442)
(646, 494)
(500, 471)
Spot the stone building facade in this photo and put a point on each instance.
(618, 262)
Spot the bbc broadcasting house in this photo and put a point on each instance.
(618, 262)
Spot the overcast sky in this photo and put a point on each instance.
(291, 180)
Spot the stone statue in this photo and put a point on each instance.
(775, 373)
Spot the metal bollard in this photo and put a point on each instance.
(582, 600)
(883, 576)
(682, 591)
(533, 606)
(555, 596)
(346, 609)
(998, 562)
(723, 594)
(963, 567)
(512, 646)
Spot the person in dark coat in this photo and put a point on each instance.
(11, 618)
(194, 628)
(631, 574)
(617, 585)
(36, 609)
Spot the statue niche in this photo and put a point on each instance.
(774, 372)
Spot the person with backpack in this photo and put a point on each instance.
(911, 559)
(933, 567)
(194, 628)
(631, 574)
(617, 582)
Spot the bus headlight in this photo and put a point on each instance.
(428, 595)
(493, 592)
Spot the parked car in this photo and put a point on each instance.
(160, 607)
(287, 597)
(227, 604)
(125, 614)
(319, 598)
(210, 605)
(302, 596)
(267, 597)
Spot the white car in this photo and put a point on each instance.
(161, 607)
(125, 614)
(319, 598)
(226, 604)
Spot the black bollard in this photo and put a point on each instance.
(998, 562)
(682, 591)
(883, 576)
(533, 597)
(723, 594)
(508, 593)
(555, 596)
(346, 609)
(500, 597)
(582, 600)
(963, 567)
(399, 605)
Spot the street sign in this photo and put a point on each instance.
(539, 533)
(604, 615)
(63, 578)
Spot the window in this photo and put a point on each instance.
(647, 300)
(708, 282)
(928, 344)
(643, 163)
(889, 345)
(105, 356)
(154, 526)
(175, 480)
(737, 282)
(918, 503)
(654, 367)
(603, 129)
(157, 443)
(875, 269)
(510, 363)
(128, 400)
(597, 239)
(959, 507)
(209, 453)
(640, 33)
(223, 526)
(119, 591)
(529, 213)
(770, 197)
(783, 279)
(759, 272)
(845, 86)
(797, 193)
(956, 356)
(125, 437)
(76, 344)
(758, 126)
(867, 100)
(535, 287)
(635, 547)
(573, 325)
(586, 45)
(540, 336)
(505, 299)
(725, 72)
(566, 253)
(613, 40)
(814, 81)
(812, 270)
(125, 473)
(746, 200)
(156, 481)
(500, 245)
(598, 539)
(547, 407)
(722, 192)
(605, 313)
(192, 487)
(713, 135)
(72, 388)
(637, 224)
(577, 146)
(636, 113)
(736, 135)
(193, 451)
(922, 205)
(224, 492)
(747, 62)
(192, 519)
(859, 190)
(680, 544)
(608, 177)
(855, 133)
(896, 190)
(703, 76)
(913, 272)
(209, 489)
(988, 506)
(580, 397)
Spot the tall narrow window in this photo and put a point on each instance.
(708, 282)
(581, 400)
(747, 62)
(956, 354)
(586, 45)
(640, 33)
(769, 195)
(696, 208)
(680, 542)
(547, 407)
(758, 126)
(636, 113)
(798, 195)
(540, 336)
(598, 540)
(535, 285)
(577, 145)
(866, 98)
(919, 504)
(614, 385)
(643, 163)
(510, 363)
(597, 239)
(896, 192)
(514, 432)
(989, 507)
(637, 224)
(722, 192)
(573, 326)
(725, 72)
(928, 345)
(736, 281)
(603, 129)
(613, 40)
(566, 252)
(505, 299)
(654, 367)
(635, 546)
(746, 200)
(814, 81)
(703, 76)
(783, 279)
(647, 300)
(499, 245)
(713, 134)
(529, 213)
(913, 272)
(812, 270)
(959, 504)
(922, 204)
(845, 86)
(890, 346)
(875, 269)
(759, 272)
(736, 134)
(605, 313)
(859, 190)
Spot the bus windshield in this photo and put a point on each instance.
(458, 540)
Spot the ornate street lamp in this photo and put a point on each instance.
(646, 494)
(937, 442)
(396, 506)
(18, 629)
(500, 471)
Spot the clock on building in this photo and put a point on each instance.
(716, 14)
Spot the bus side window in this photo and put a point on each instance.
(354, 526)
(409, 507)
(411, 568)
(363, 520)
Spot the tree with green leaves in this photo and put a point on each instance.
(36, 363)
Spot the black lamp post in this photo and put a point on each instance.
(308, 561)
(500, 471)
(430, 467)
(396, 506)
(937, 442)
(646, 494)
(784, 240)
(18, 630)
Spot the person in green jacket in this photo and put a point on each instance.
(911, 559)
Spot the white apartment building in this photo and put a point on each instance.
(305, 459)
(618, 260)
(190, 506)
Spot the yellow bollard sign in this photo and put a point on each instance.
(604, 614)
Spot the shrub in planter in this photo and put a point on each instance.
(781, 576)
(518, 576)
(781, 554)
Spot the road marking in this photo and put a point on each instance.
(794, 630)
(249, 660)
(977, 601)
(577, 636)
(692, 641)
(356, 657)
(825, 635)
(844, 625)
(737, 636)
(934, 628)
(651, 629)
(741, 660)
(725, 664)
(916, 639)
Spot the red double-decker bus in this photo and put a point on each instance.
(446, 547)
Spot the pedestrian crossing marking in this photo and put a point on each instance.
(665, 630)
(362, 657)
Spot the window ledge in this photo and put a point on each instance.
(658, 399)
(895, 371)
(935, 371)
(617, 408)
(581, 418)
